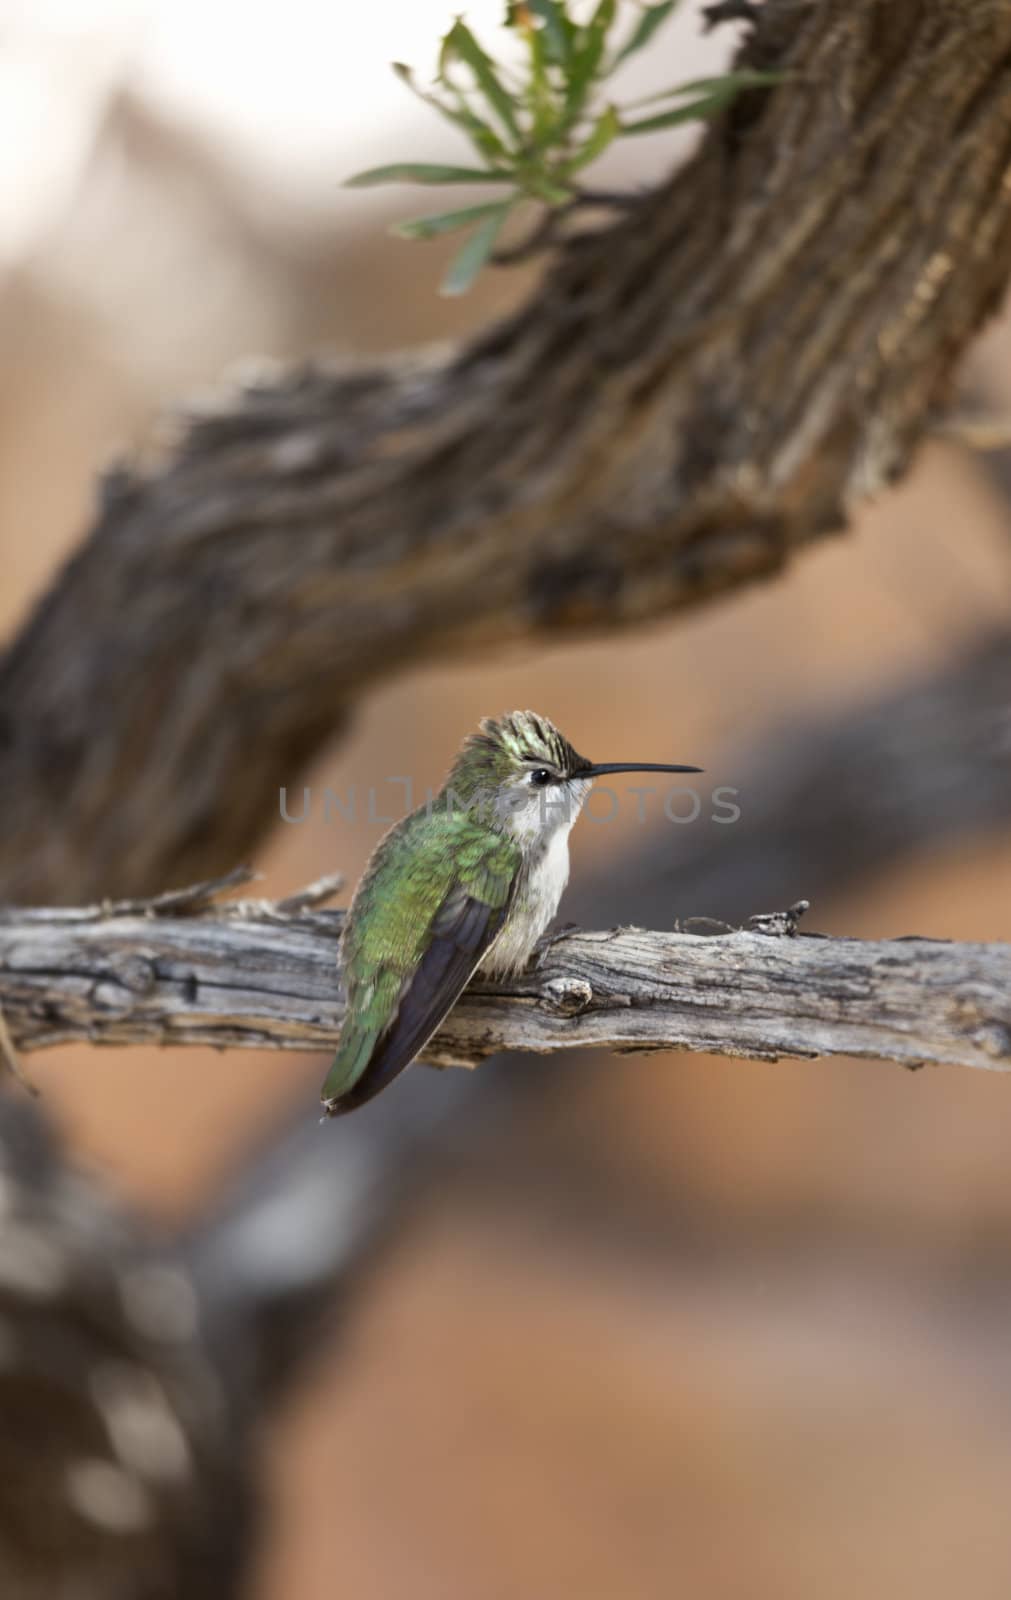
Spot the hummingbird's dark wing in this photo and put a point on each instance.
(418, 929)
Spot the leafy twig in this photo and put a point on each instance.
(535, 131)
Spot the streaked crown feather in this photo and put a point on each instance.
(516, 739)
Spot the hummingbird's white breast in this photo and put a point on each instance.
(543, 829)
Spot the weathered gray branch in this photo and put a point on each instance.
(688, 398)
(260, 974)
(684, 403)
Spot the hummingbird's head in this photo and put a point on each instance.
(522, 772)
(533, 778)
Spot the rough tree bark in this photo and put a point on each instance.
(689, 397)
(260, 974)
(126, 1439)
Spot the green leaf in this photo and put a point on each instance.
(424, 172)
(559, 30)
(448, 221)
(642, 33)
(541, 186)
(719, 93)
(748, 78)
(469, 260)
(485, 138)
(695, 111)
(461, 42)
(729, 84)
(588, 56)
(539, 96)
(606, 128)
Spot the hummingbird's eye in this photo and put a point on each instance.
(540, 777)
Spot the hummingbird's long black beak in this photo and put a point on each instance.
(597, 767)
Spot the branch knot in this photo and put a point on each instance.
(567, 996)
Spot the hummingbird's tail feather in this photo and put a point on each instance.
(354, 1052)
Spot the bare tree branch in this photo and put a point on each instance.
(127, 1460)
(689, 398)
(256, 974)
(692, 395)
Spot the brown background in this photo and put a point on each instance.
(699, 1326)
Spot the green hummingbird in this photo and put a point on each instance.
(470, 880)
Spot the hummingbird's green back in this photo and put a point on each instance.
(449, 887)
(427, 910)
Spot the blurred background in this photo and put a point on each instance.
(651, 1321)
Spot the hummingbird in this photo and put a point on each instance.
(470, 880)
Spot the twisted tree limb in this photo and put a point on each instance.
(126, 1447)
(691, 396)
(689, 399)
(265, 975)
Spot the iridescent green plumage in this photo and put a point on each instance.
(472, 880)
(427, 910)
